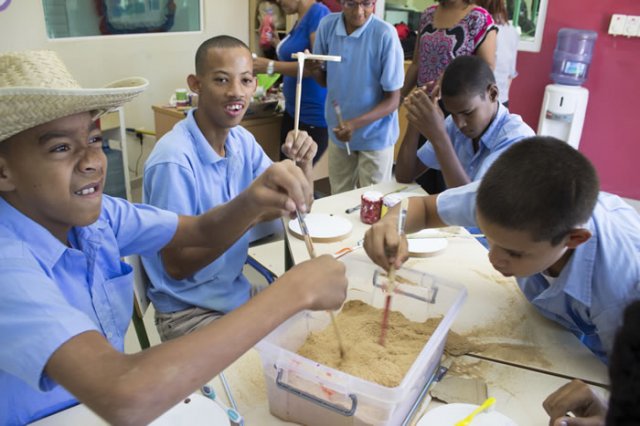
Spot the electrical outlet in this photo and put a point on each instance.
(617, 25)
(631, 26)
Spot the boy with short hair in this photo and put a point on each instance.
(366, 85)
(575, 251)
(469, 140)
(66, 298)
(207, 160)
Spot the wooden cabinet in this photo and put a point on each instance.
(266, 130)
(285, 24)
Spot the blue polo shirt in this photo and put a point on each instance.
(185, 175)
(313, 95)
(504, 130)
(372, 63)
(600, 279)
(50, 293)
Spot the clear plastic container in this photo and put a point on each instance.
(572, 56)
(306, 392)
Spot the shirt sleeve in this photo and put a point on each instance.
(457, 206)
(392, 77)
(427, 154)
(481, 24)
(320, 45)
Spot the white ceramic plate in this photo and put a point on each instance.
(323, 227)
(199, 411)
(447, 415)
(423, 247)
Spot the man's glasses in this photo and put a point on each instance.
(353, 4)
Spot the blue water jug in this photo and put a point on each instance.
(572, 56)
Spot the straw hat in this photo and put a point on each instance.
(36, 87)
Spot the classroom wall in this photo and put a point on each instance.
(610, 137)
(164, 59)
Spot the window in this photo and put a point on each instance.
(80, 18)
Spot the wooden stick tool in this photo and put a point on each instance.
(312, 255)
(391, 286)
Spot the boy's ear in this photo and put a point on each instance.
(6, 180)
(194, 83)
(492, 90)
(577, 237)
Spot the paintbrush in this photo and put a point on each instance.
(391, 286)
(336, 108)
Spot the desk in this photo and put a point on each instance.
(525, 356)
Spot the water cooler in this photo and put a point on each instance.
(565, 102)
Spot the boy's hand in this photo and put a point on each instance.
(301, 149)
(383, 244)
(321, 283)
(279, 190)
(344, 132)
(424, 113)
(580, 399)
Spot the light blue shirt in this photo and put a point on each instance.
(50, 293)
(505, 130)
(185, 175)
(600, 279)
(372, 63)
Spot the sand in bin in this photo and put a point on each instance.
(359, 325)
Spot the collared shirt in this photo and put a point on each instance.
(313, 95)
(372, 63)
(50, 293)
(185, 175)
(505, 130)
(600, 279)
(506, 57)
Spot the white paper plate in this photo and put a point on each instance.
(199, 411)
(323, 227)
(447, 415)
(423, 247)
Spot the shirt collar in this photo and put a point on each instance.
(207, 154)
(341, 30)
(489, 138)
(48, 248)
(577, 274)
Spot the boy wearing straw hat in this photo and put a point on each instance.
(366, 86)
(66, 298)
(574, 251)
(207, 160)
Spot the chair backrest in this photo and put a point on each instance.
(140, 301)
(140, 284)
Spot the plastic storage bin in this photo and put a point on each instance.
(303, 391)
(572, 56)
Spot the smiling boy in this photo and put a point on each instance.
(66, 298)
(466, 143)
(207, 160)
(574, 251)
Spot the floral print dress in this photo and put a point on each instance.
(438, 47)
